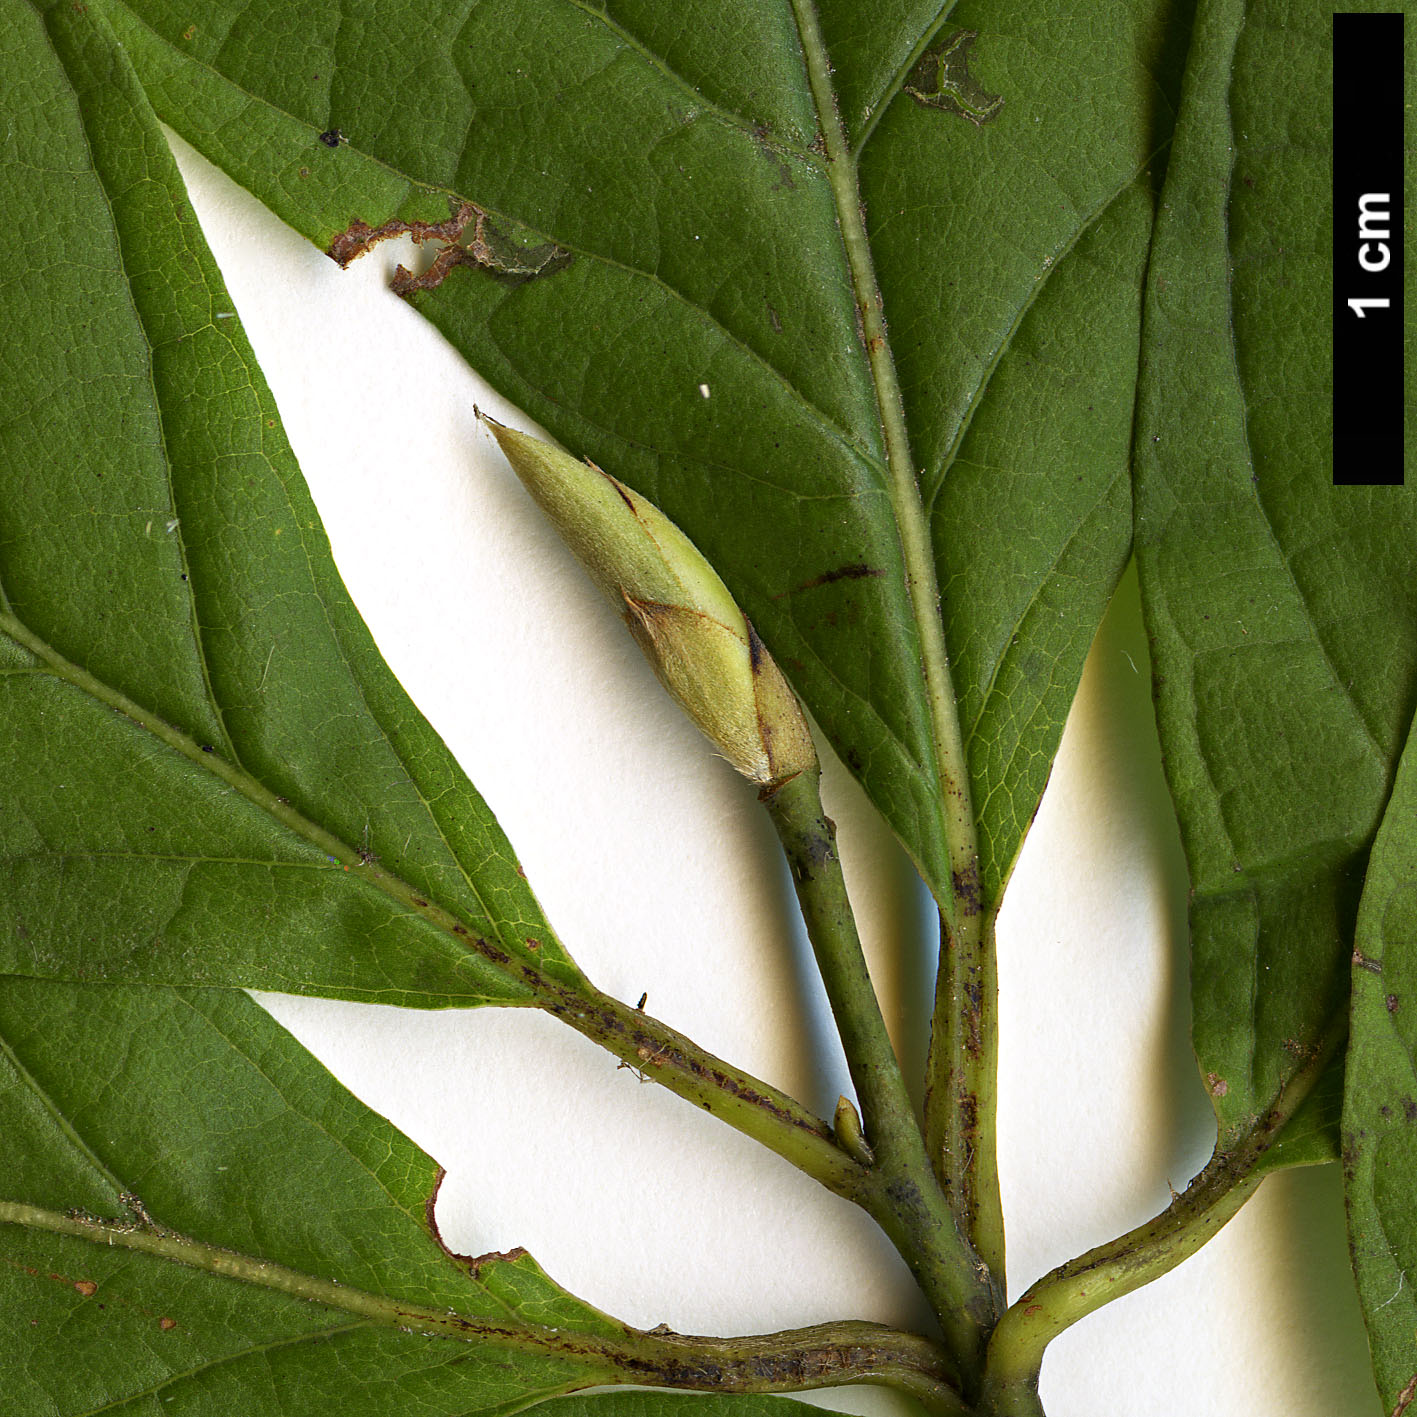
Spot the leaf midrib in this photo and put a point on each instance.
(380, 1310)
(912, 525)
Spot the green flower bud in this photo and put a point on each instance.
(699, 643)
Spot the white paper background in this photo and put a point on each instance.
(658, 869)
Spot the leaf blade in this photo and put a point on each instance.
(198, 1102)
(791, 512)
(1261, 580)
(170, 566)
(1380, 1099)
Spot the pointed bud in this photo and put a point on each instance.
(698, 641)
(849, 1136)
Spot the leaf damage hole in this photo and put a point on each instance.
(469, 237)
(473, 1263)
(941, 79)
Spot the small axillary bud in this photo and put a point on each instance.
(846, 1126)
(699, 643)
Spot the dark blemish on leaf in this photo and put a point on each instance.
(1409, 1109)
(460, 929)
(774, 319)
(86, 1287)
(167, 1325)
(1385, 1110)
(190, 32)
(332, 138)
(1404, 1398)
(762, 135)
(488, 248)
(942, 80)
(419, 902)
(492, 952)
(495, 1257)
(429, 1207)
(207, 748)
(1216, 1085)
(1392, 1002)
(532, 944)
(1373, 966)
(856, 571)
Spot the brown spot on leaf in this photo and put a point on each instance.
(857, 570)
(941, 79)
(495, 1257)
(332, 137)
(1216, 1085)
(167, 1325)
(86, 1287)
(1409, 1109)
(1404, 1398)
(1392, 1002)
(470, 238)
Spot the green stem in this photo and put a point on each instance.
(1073, 1291)
(961, 1081)
(743, 1101)
(791, 1361)
(905, 1198)
(961, 1089)
(1076, 1289)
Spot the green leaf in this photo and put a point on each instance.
(1380, 1106)
(209, 773)
(661, 282)
(196, 1217)
(1282, 610)
(141, 1113)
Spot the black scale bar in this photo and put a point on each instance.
(1368, 412)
